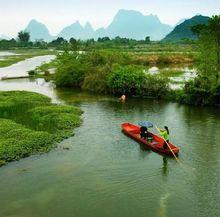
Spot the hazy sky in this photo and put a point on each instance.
(15, 14)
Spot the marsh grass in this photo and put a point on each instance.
(30, 123)
(165, 58)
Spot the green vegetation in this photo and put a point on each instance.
(30, 123)
(205, 89)
(117, 43)
(183, 32)
(107, 72)
(171, 73)
(131, 80)
(163, 58)
(23, 38)
(18, 141)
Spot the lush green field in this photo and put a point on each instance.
(30, 123)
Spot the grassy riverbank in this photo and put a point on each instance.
(23, 54)
(30, 123)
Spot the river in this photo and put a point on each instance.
(22, 68)
(105, 173)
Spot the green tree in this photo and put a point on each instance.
(209, 44)
(74, 44)
(70, 70)
(147, 39)
(205, 89)
(24, 37)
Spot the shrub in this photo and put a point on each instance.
(154, 86)
(97, 81)
(199, 91)
(70, 71)
(126, 80)
(32, 73)
(131, 80)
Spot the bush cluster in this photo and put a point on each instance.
(107, 72)
(201, 91)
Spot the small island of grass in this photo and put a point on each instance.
(30, 124)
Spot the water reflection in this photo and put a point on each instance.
(165, 165)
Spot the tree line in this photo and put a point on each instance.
(23, 40)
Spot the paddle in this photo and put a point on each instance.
(168, 145)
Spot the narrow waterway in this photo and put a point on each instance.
(22, 68)
(105, 173)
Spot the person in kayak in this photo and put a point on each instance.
(165, 134)
(143, 132)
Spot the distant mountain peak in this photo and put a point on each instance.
(133, 24)
(33, 21)
(89, 31)
(125, 13)
(75, 30)
(126, 23)
(77, 23)
(153, 15)
(38, 31)
(88, 25)
(121, 11)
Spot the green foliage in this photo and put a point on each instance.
(204, 90)
(107, 72)
(171, 73)
(76, 70)
(163, 58)
(14, 102)
(176, 95)
(59, 42)
(126, 80)
(23, 37)
(155, 86)
(74, 44)
(7, 44)
(30, 123)
(70, 70)
(201, 91)
(184, 30)
(131, 80)
(96, 81)
(55, 119)
(17, 141)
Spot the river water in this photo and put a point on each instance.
(22, 68)
(105, 173)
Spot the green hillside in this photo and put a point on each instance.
(183, 30)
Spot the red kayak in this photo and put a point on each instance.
(156, 144)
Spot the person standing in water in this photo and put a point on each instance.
(165, 134)
(123, 98)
